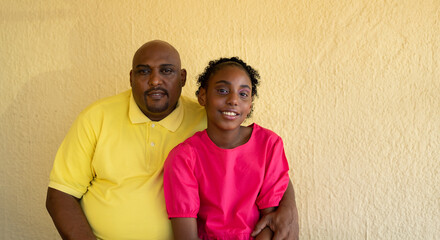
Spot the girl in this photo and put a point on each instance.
(219, 182)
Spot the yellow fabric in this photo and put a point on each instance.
(112, 158)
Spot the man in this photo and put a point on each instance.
(106, 181)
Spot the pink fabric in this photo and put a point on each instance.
(225, 188)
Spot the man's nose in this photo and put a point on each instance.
(155, 79)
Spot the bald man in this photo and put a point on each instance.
(106, 181)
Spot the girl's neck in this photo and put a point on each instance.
(230, 138)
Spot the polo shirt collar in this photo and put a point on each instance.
(171, 122)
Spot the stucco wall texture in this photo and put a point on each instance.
(352, 86)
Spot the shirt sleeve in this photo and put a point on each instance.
(72, 169)
(180, 183)
(276, 177)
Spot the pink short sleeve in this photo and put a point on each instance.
(276, 177)
(180, 183)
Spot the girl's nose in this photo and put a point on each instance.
(232, 99)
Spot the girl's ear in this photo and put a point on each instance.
(249, 111)
(202, 96)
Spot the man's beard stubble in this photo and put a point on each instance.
(155, 108)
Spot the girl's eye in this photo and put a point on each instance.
(222, 91)
(244, 94)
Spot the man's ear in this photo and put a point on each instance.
(182, 77)
(202, 96)
(131, 78)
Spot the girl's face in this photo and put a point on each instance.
(228, 98)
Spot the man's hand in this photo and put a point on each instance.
(284, 221)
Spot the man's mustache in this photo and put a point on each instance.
(155, 89)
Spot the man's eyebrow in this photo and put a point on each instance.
(148, 66)
(167, 65)
(142, 66)
(228, 83)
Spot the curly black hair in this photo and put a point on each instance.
(220, 63)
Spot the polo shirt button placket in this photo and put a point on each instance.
(152, 126)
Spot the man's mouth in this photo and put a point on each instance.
(156, 93)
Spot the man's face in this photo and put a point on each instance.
(156, 79)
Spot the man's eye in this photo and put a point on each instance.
(143, 71)
(167, 70)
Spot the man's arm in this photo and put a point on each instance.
(284, 221)
(67, 215)
(184, 228)
(266, 233)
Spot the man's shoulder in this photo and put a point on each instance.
(194, 117)
(192, 108)
(111, 104)
(191, 104)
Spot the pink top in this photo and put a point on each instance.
(225, 188)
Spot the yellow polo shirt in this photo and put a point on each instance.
(112, 158)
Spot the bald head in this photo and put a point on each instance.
(155, 46)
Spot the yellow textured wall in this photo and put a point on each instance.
(352, 86)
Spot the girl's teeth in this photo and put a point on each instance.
(229, 113)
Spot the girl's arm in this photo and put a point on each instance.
(184, 228)
(266, 233)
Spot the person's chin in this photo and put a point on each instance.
(157, 108)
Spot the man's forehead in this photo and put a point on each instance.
(156, 56)
(157, 51)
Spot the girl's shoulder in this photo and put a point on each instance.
(185, 152)
(196, 138)
(192, 142)
(263, 133)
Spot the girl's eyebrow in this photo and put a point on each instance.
(228, 83)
